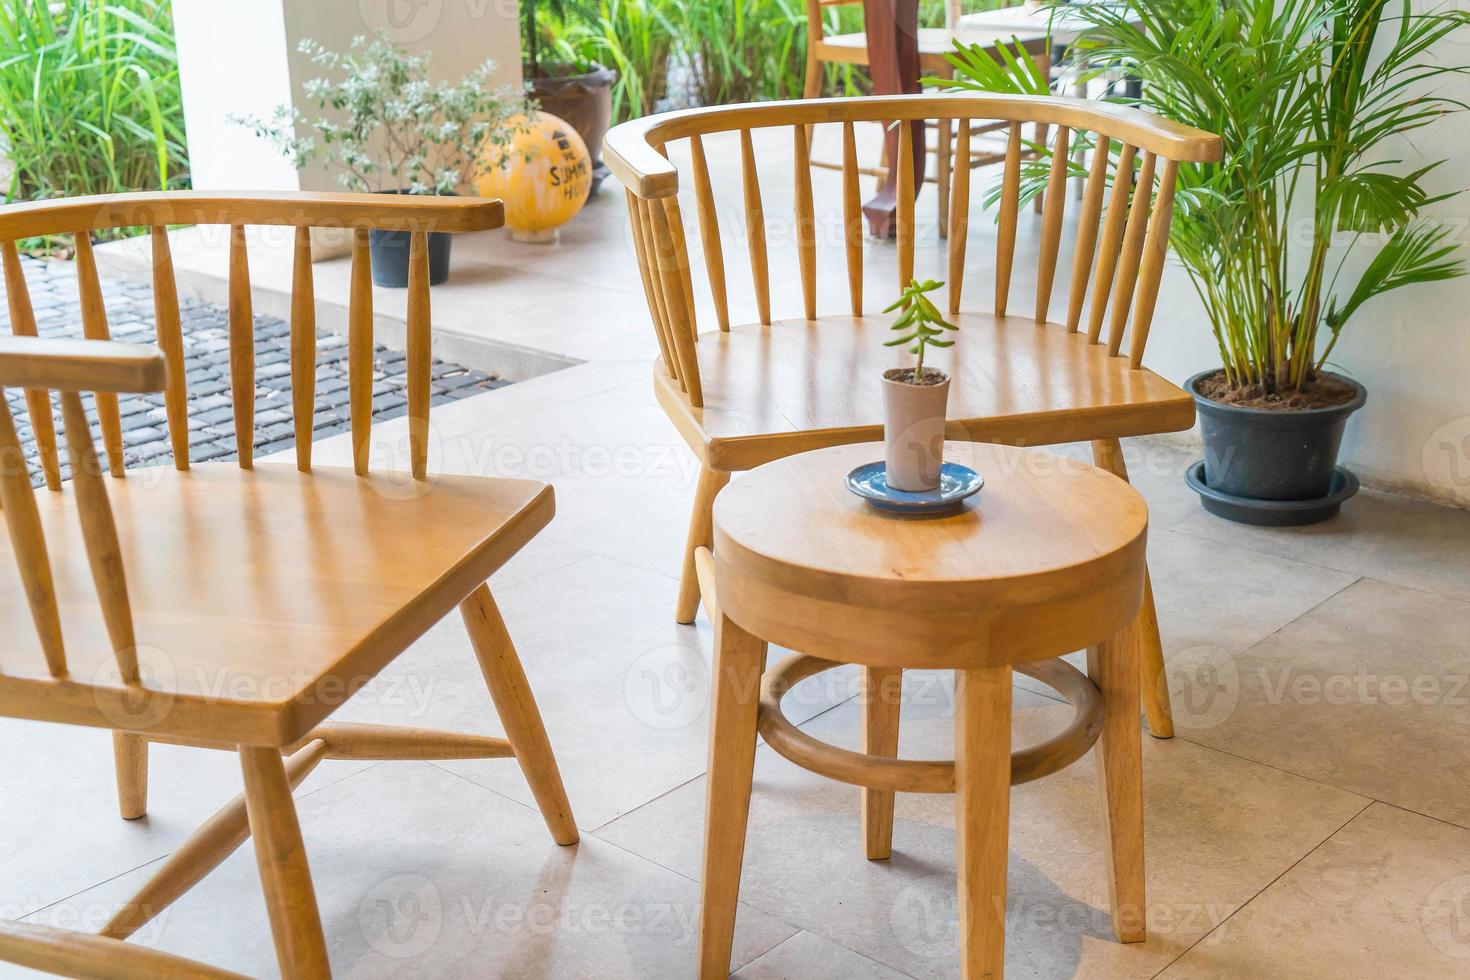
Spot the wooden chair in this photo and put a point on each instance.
(747, 394)
(934, 43)
(237, 606)
(852, 49)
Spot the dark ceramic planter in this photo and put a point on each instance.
(585, 102)
(1272, 467)
(390, 255)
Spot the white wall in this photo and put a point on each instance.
(1411, 348)
(239, 57)
(232, 60)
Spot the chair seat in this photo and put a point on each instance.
(934, 43)
(261, 598)
(797, 385)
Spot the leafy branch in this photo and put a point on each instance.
(921, 320)
(389, 127)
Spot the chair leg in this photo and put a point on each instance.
(296, 924)
(1113, 668)
(945, 150)
(735, 704)
(813, 86)
(518, 712)
(1157, 707)
(701, 535)
(982, 815)
(130, 758)
(882, 696)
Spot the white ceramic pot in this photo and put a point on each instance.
(913, 430)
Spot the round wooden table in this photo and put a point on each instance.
(1047, 559)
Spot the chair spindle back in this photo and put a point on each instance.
(417, 217)
(1119, 249)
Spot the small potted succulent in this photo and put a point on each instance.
(914, 398)
(390, 129)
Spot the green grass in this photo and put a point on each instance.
(89, 98)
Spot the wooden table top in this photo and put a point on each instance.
(1043, 526)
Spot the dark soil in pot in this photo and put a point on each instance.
(1271, 449)
(583, 99)
(390, 255)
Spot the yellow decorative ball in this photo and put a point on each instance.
(544, 179)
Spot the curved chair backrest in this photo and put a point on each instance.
(1126, 247)
(71, 367)
(361, 213)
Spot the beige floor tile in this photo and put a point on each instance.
(1221, 596)
(58, 808)
(809, 957)
(621, 687)
(420, 873)
(1214, 600)
(1219, 830)
(1370, 691)
(1379, 535)
(1386, 896)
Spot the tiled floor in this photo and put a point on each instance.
(1309, 820)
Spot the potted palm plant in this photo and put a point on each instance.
(568, 87)
(1312, 98)
(390, 129)
(914, 398)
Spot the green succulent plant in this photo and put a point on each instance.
(921, 323)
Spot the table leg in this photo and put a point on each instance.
(734, 705)
(1113, 667)
(882, 696)
(982, 815)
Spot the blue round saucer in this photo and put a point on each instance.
(956, 482)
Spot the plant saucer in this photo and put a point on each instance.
(956, 482)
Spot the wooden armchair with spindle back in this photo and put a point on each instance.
(229, 605)
(747, 394)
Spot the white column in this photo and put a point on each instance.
(239, 57)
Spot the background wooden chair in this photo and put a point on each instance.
(934, 43)
(747, 394)
(237, 606)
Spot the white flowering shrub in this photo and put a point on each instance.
(390, 127)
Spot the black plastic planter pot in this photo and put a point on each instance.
(1272, 467)
(390, 255)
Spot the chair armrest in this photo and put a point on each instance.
(79, 365)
